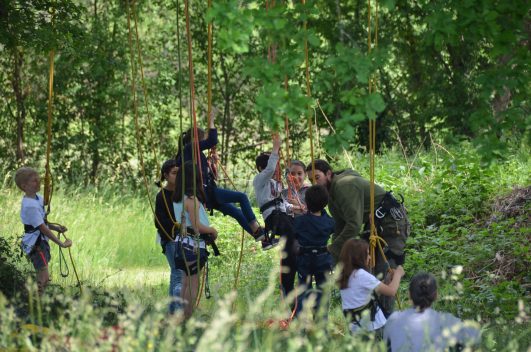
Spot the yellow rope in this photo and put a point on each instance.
(375, 241)
(136, 120)
(144, 90)
(48, 173)
(308, 94)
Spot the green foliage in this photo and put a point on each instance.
(480, 257)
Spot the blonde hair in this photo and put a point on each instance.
(23, 175)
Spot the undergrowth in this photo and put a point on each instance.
(470, 228)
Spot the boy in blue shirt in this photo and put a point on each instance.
(36, 231)
(312, 231)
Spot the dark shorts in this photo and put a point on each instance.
(312, 264)
(280, 224)
(189, 268)
(40, 255)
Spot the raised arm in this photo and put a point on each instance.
(266, 174)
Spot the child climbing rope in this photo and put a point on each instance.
(37, 231)
(274, 209)
(219, 198)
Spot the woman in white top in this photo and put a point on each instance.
(421, 328)
(188, 258)
(358, 286)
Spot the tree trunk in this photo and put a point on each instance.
(16, 82)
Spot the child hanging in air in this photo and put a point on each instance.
(274, 209)
(358, 287)
(313, 229)
(36, 230)
(219, 198)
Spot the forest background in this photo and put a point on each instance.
(450, 103)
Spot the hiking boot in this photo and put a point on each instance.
(269, 243)
(260, 234)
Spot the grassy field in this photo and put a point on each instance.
(115, 252)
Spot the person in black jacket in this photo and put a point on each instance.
(164, 222)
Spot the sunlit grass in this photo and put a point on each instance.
(115, 250)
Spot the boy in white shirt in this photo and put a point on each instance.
(36, 230)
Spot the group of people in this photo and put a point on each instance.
(314, 241)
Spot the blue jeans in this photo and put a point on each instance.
(176, 277)
(224, 200)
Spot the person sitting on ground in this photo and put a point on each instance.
(37, 231)
(312, 231)
(166, 231)
(420, 328)
(219, 198)
(358, 286)
(296, 188)
(274, 209)
(191, 257)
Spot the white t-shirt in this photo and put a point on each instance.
(32, 213)
(361, 285)
(429, 330)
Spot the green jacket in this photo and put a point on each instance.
(349, 204)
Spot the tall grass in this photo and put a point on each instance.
(115, 250)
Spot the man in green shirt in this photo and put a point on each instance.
(349, 204)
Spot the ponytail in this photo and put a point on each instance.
(423, 290)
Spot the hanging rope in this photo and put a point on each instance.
(144, 90)
(195, 138)
(48, 174)
(309, 95)
(375, 241)
(334, 131)
(136, 120)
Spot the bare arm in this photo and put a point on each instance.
(191, 205)
(48, 233)
(391, 289)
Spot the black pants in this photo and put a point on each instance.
(280, 224)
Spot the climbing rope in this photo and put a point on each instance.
(375, 241)
(136, 119)
(144, 90)
(48, 174)
(309, 95)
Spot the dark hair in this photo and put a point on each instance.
(320, 165)
(186, 138)
(298, 163)
(353, 256)
(164, 169)
(316, 198)
(423, 290)
(186, 171)
(261, 161)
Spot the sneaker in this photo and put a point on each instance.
(259, 234)
(269, 243)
